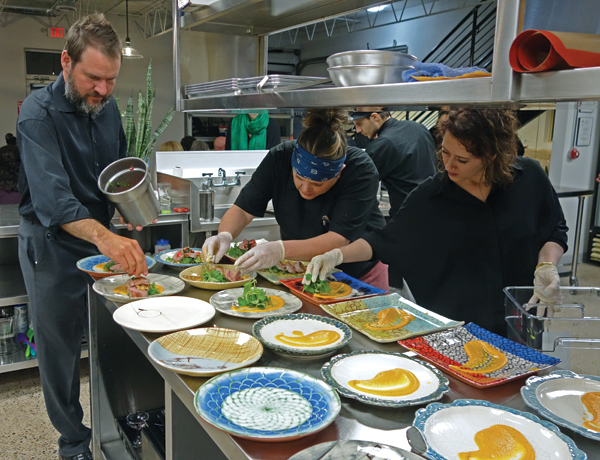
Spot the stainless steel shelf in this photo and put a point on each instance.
(9, 220)
(562, 85)
(17, 361)
(12, 286)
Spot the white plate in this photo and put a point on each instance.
(365, 365)
(558, 398)
(164, 314)
(224, 300)
(163, 255)
(450, 429)
(106, 286)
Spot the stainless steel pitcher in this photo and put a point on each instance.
(207, 205)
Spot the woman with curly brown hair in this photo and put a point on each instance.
(324, 195)
(487, 220)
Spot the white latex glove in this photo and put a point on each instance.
(320, 266)
(219, 243)
(261, 256)
(547, 283)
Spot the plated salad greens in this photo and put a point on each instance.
(316, 287)
(214, 276)
(254, 297)
(186, 256)
(239, 249)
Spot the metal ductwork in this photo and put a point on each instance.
(50, 8)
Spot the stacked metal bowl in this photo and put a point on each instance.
(368, 67)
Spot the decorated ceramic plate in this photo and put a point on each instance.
(275, 274)
(205, 352)
(385, 379)
(267, 404)
(94, 266)
(164, 314)
(193, 276)
(354, 450)
(568, 399)
(162, 257)
(479, 429)
(113, 287)
(281, 303)
(388, 318)
(477, 356)
(344, 287)
(302, 335)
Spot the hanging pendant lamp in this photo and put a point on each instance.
(128, 51)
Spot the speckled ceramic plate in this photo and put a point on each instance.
(164, 314)
(193, 276)
(388, 318)
(302, 335)
(107, 286)
(450, 429)
(360, 290)
(276, 277)
(477, 356)
(567, 399)
(205, 352)
(385, 379)
(94, 266)
(267, 404)
(224, 302)
(169, 253)
(354, 450)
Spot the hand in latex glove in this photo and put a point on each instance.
(547, 283)
(215, 247)
(261, 256)
(320, 266)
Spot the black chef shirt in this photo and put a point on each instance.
(457, 253)
(349, 208)
(63, 152)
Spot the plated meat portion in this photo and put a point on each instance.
(245, 245)
(138, 286)
(291, 266)
(186, 253)
(113, 267)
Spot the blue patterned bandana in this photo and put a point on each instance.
(312, 168)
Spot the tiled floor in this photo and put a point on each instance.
(26, 432)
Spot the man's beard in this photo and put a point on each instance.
(80, 102)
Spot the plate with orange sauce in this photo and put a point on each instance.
(469, 429)
(385, 379)
(281, 303)
(568, 399)
(114, 287)
(302, 335)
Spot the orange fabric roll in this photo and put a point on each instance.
(542, 50)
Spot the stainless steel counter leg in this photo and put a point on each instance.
(573, 281)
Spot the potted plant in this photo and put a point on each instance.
(140, 138)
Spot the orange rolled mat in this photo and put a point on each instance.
(541, 50)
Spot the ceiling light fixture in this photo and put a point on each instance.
(376, 9)
(128, 51)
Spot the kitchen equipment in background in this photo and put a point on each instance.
(161, 245)
(164, 197)
(7, 331)
(126, 182)
(206, 198)
(177, 171)
(370, 57)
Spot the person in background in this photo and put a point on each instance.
(198, 146)
(68, 133)
(10, 163)
(186, 142)
(253, 131)
(489, 219)
(324, 196)
(219, 143)
(170, 146)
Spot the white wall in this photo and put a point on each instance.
(29, 32)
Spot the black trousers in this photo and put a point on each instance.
(57, 300)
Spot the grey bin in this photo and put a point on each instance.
(137, 203)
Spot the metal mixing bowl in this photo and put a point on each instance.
(370, 57)
(359, 75)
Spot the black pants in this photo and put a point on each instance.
(57, 300)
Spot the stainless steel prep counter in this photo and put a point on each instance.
(123, 379)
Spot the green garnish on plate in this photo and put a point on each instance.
(254, 297)
(213, 276)
(316, 287)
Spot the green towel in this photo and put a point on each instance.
(242, 125)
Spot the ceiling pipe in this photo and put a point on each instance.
(58, 8)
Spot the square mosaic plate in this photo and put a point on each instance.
(382, 318)
(360, 290)
(477, 356)
(267, 404)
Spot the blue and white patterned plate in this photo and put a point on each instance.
(92, 265)
(292, 329)
(366, 365)
(449, 429)
(558, 398)
(163, 255)
(267, 404)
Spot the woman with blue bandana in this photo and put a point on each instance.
(324, 196)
